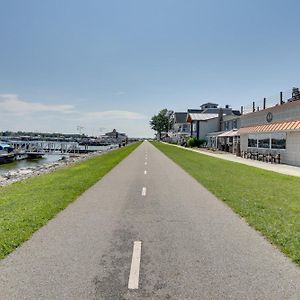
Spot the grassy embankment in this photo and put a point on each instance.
(270, 202)
(27, 205)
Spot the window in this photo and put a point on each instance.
(278, 141)
(267, 141)
(252, 140)
(234, 124)
(263, 141)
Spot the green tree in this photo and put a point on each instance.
(162, 122)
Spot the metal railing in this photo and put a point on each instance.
(278, 99)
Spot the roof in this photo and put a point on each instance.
(210, 103)
(233, 132)
(279, 126)
(214, 134)
(231, 117)
(180, 117)
(196, 110)
(236, 112)
(200, 117)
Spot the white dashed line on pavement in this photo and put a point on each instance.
(145, 163)
(145, 172)
(134, 275)
(144, 191)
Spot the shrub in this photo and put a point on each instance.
(193, 142)
(200, 142)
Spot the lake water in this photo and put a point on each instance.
(48, 158)
(27, 163)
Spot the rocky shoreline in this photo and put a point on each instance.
(24, 173)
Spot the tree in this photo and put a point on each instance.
(162, 121)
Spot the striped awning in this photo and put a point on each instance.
(274, 127)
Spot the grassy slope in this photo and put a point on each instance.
(269, 201)
(27, 205)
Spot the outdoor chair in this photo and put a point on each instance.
(277, 158)
(260, 156)
(268, 158)
(254, 155)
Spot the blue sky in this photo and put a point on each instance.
(113, 64)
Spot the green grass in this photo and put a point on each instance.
(268, 201)
(27, 205)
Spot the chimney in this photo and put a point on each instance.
(220, 116)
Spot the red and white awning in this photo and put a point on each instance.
(274, 127)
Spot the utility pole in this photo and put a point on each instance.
(80, 128)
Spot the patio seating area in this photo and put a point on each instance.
(268, 157)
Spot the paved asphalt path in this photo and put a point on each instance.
(192, 245)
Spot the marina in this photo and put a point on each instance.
(27, 156)
(23, 156)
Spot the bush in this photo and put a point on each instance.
(200, 142)
(193, 142)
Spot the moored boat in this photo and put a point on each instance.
(6, 154)
(35, 154)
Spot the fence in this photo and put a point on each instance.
(278, 99)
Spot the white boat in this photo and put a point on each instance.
(6, 154)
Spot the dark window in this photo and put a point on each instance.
(278, 141)
(252, 141)
(264, 142)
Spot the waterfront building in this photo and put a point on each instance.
(274, 130)
(202, 124)
(181, 128)
(115, 137)
(228, 138)
(211, 119)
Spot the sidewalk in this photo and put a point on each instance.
(279, 168)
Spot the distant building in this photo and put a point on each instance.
(202, 123)
(115, 137)
(210, 118)
(181, 128)
(209, 105)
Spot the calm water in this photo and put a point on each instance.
(26, 163)
(48, 158)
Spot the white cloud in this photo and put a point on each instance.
(18, 114)
(114, 114)
(10, 103)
